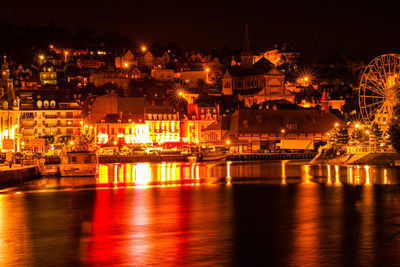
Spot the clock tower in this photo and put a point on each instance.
(6, 83)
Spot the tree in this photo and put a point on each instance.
(343, 136)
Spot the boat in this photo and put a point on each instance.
(212, 154)
(78, 163)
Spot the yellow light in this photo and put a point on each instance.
(283, 131)
(126, 65)
(41, 57)
(71, 143)
(336, 124)
(81, 122)
(48, 69)
(207, 69)
(69, 123)
(357, 125)
(305, 78)
(66, 52)
(115, 142)
(91, 127)
(180, 93)
(22, 143)
(228, 142)
(144, 48)
(367, 132)
(51, 46)
(86, 126)
(16, 126)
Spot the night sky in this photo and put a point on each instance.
(316, 28)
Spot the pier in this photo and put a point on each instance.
(17, 174)
(270, 156)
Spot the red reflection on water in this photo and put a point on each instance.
(144, 174)
(135, 228)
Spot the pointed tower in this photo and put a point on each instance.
(246, 56)
(6, 83)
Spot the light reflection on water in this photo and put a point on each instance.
(279, 213)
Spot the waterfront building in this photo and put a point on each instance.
(164, 125)
(252, 130)
(126, 120)
(10, 129)
(197, 120)
(46, 113)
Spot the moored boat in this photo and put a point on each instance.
(78, 163)
(212, 154)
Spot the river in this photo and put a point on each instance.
(278, 213)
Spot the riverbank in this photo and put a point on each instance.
(17, 174)
(387, 159)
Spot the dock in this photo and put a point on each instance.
(17, 174)
(270, 156)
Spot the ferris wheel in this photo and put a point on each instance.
(379, 90)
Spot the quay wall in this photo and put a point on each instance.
(16, 175)
(269, 156)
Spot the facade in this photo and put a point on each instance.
(115, 130)
(48, 74)
(50, 118)
(252, 130)
(103, 77)
(10, 128)
(126, 120)
(6, 82)
(125, 61)
(255, 83)
(198, 119)
(164, 125)
(163, 74)
(191, 77)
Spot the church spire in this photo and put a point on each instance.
(246, 55)
(246, 46)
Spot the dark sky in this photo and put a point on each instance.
(316, 28)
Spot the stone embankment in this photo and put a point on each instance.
(389, 159)
(17, 174)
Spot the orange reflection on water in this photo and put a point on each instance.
(143, 174)
(283, 172)
(305, 174)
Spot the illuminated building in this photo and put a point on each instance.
(255, 83)
(48, 74)
(127, 58)
(48, 114)
(10, 128)
(116, 130)
(197, 120)
(251, 130)
(126, 120)
(164, 124)
(6, 82)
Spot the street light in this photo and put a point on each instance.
(144, 48)
(65, 55)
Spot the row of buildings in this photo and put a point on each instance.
(113, 121)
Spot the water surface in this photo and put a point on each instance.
(242, 214)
